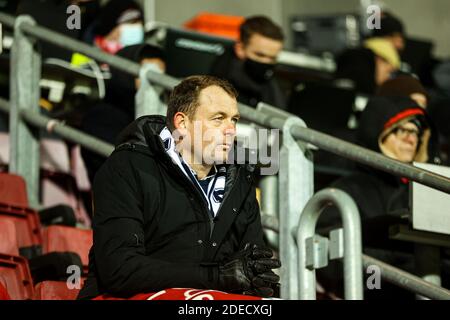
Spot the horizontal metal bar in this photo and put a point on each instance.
(60, 129)
(7, 20)
(323, 141)
(407, 281)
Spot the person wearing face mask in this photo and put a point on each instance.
(120, 24)
(106, 119)
(250, 65)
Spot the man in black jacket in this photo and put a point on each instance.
(168, 209)
(249, 66)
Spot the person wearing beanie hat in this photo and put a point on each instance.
(367, 67)
(391, 29)
(406, 86)
(387, 59)
(385, 50)
(396, 127)
(120, 24)
(387, 126)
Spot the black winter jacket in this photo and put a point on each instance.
(151, 226)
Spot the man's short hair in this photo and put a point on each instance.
(185, 96)
(260, 25)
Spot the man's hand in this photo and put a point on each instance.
(250, 270)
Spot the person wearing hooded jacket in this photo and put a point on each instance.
(170, 213)
(398, 128)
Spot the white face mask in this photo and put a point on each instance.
(131, 34)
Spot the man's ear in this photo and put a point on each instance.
(179, 123)
(239, 50)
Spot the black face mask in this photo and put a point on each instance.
(261, 72)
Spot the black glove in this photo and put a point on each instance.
(264, 285)
(250, 270)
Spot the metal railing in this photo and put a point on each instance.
(296, 171)
(388, 272)
(313, 250)
(326, 142)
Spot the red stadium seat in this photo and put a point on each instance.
(3, 293)
(13, 190)
(54, 290)
(63, 239)
(27, 224)
(8, 237)
(15, 277)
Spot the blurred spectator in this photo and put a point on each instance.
(119, 24)
(410, 87)
(441, 75)
(391, 29)
(250, 66)
(52, 14)
(406, 86)
(106, 119)
(366, 68)
(398, 128)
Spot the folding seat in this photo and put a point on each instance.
(8, 237)
(68, 239)
(27, 228)
(4, 293)
(13, 190)
(15, 277)
(57, 184)
(79, 170)
(55, 290)
(14, 208)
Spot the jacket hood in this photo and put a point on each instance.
(144, 131)
(382, 114)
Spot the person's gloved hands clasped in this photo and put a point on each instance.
(250, 271)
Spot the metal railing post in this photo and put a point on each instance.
(353, 277)
(269, 204)
(24, 95)
(295, 189)
(147, 98)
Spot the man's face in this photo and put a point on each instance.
(402, 143)
(213, 126)
(260, 49)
